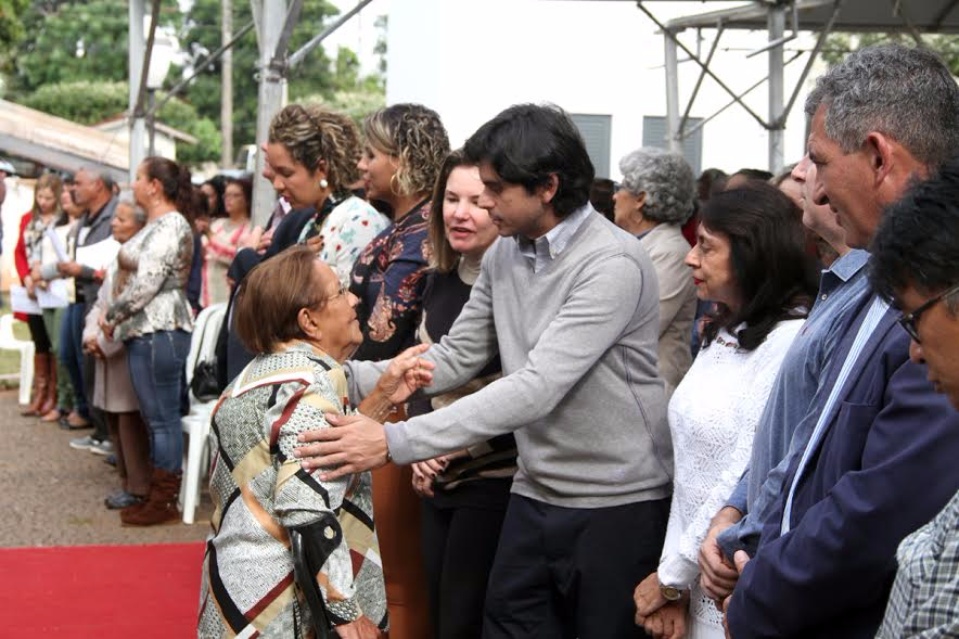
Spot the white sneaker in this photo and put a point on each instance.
(102, 448)
(85, 443)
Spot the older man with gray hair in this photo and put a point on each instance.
(94, 192)
(881, 457)
(655, 199)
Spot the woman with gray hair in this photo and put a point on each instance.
(654, 200)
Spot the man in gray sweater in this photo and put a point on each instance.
(570, 303)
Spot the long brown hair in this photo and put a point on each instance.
(175, 181)
(443, 258)
(54, 183)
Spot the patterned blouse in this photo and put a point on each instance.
(925, 596)
(218, 251)
(346, 231)
(389, 278)
(33, 236)
(259, 490)
(153, 269)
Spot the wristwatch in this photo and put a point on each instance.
(670, 593)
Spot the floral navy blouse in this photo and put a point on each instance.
(153, 269)
(389, 278)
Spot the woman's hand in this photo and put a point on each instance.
(424, 473)
(92, 347)
(107, 328)
(264, 242)
(362, 628)
(315, 243)
(252, 240)
(406, 374)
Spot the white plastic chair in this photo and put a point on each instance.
(197, 423)
(9, 342)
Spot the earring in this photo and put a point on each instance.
(323, 183)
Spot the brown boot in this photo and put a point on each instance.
(160, 508)
(41, 369)
(50, 399)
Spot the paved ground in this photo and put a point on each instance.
(52, 495)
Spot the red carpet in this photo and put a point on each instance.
(100, 591)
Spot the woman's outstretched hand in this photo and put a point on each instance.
(406, 374)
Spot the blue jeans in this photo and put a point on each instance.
(157, 370)
(71, 354)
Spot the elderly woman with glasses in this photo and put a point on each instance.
(655, 199)
(263, 498)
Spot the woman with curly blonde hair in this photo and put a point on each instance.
(406, 145)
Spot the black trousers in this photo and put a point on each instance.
(570, 572)
(459, 539)
(38, 334)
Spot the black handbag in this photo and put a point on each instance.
(205, 385)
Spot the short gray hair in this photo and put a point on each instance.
(100, 172)
(905, 93)
(126, 199)
(665, 178)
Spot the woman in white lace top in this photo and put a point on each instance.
(749, 259)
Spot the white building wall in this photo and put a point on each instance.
(469, 59)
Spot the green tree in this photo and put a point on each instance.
(839, 45)
(201, 25)
(79, 40)
(89, 102)
(356, 103)
(12, 28)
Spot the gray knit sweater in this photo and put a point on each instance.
(580, 389)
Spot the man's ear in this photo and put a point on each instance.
(880, 152)
(548, 191)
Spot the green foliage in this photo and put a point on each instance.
(73, 61)
(839, 45)
(91, 102)
(202, 26)
(11, 27)
(69, 41)
(82, 101)
(357, 103)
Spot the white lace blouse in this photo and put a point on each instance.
(712, 419)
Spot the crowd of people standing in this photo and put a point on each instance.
(461, 402)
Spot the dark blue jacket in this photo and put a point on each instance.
(887, 463)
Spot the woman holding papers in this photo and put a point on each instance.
(153, 319)
(44, 327)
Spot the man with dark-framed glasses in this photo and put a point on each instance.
(916, 266)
